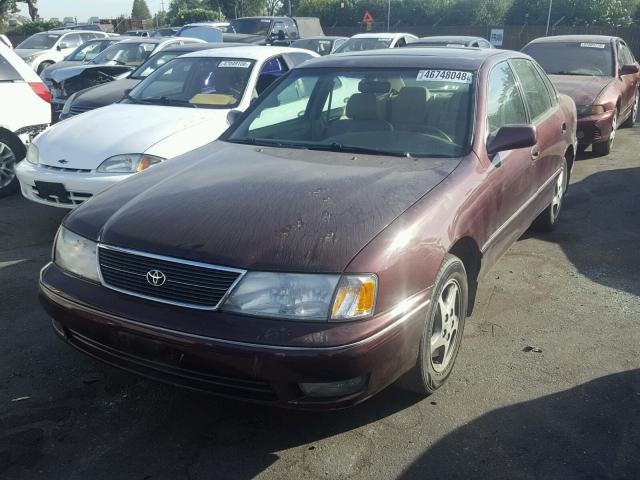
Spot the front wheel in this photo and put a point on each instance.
(548, 219)
(11, 151)
(604, 148)
(42, 66)
(443, 328)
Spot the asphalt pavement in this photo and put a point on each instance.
(546, 386)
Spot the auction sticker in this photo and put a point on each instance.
(234, 64)
(592, 45)
(455, 76)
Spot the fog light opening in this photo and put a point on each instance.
(333, 389)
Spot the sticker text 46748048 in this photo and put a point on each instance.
(456, 76)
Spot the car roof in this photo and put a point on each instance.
(575, 38)
(450, 38)
(196, 47)
(253, 52)
(408, 57)
(380, 35)
(144, 40)
(205, 24)
(70, 30)
(322, 37)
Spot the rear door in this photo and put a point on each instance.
(628, 82)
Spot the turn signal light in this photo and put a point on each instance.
(355, 297)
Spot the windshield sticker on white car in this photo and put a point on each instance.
(455, 76)
(234, 64)
(592, 45)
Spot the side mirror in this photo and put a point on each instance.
(629, 70)
(233, 116)
(511, 137)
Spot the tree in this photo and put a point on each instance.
(191, 15)
(11, 6)
(140, 10)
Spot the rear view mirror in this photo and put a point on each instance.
(511, 137)
(233, 116)
(629, 70)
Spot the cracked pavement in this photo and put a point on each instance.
(568, 408)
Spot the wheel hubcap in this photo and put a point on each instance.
(634, 115)
(614, 127)
(558, 193)
(445, 326)
(7, 165)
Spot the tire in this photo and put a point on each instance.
(434, 366)
(633, 117)
(42, 66)
(547, 221)
(604, 148)
(11, 152)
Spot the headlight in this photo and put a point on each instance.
(585, 110)
(76, 255)
(128, 163)
(33, 154)
(67, 104)
(300, 296)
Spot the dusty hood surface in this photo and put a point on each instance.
(259, 208)
(581, 88)
(105, 94)
(63, 74)
(86, 140)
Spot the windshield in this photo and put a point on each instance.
(132, 54)
(208, 34)
(154, 62)
(196, 82)
(250, 26)
(361, 44)
(40, 41)
(85, 52)
(400, 111)
(579, 58)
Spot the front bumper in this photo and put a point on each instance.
(594, 128)
(79, 185)
(133, 335)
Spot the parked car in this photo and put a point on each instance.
(83, 54)
(374, 41)
(4, 39)
(46, 48)
(81, 26)
(311, 261)
(112, 92)
(601, 74)
(25, 112)
(115, 62)
(321, 45)
(181, 106)
(138, 33)
(272, 30)
(211, 32)
(451, 41)
(164, 32)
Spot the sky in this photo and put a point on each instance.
(83, 9)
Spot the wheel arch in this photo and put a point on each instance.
(13, 136)
(570, 156)
(467, 250)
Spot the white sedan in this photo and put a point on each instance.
(181, 106)
(375, 41)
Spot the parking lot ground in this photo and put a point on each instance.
(569, 408)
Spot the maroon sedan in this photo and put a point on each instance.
(332, 241)
(601, 75)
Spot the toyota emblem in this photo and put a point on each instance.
(156, 278)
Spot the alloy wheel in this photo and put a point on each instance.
(634, 114)
(558, 193)
(614, 128)
(7, 165)
(444, 335)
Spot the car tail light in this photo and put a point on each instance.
(41, 90)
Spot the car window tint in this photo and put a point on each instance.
(72, 40)
(535, 91)
(7, 72)
(550, 88)
(504, 101)
(627, 56)
(275, 66)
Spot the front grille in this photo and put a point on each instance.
(65, 198)
(78, 109)
(179, 282)
(65, 169)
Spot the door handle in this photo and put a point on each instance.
(535, 154)
(564, 128)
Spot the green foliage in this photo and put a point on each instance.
(191, 15)
(140, 10)
(37, 26)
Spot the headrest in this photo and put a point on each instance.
(363, 106)
(410, 106)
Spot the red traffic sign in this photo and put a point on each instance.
(367, 17)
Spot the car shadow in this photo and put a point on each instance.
(599, 229)
(591, 431)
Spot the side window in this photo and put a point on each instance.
(292, 29)
(504, 101)
(72, 40)
(535, 91)
(296, 58)
(85, 37)
(553, 93)
(277, 27)
(7, 72)
(401, 42)
(627, 56)
(271, 71)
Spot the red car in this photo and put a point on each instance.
(601, 75)
(332, 242)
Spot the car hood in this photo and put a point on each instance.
(28, 52)
(259, 208)
(46, 74)
(582, 89)
(105, 94)
(86, 140)
(63, 74)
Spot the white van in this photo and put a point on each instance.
(25, 112)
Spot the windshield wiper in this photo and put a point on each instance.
(574, 73)
(339, 147)
(169, 101)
